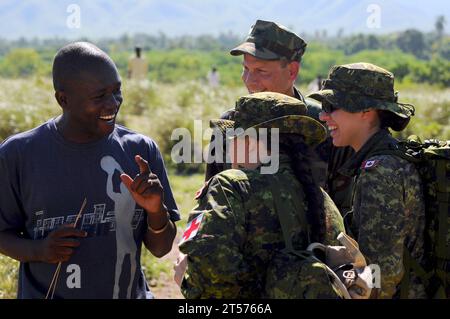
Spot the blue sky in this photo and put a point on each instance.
(99, 18)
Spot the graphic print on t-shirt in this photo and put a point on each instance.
(124, 205)
(123, 219)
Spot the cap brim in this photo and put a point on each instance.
(254, 50)
(222, 125)
(358, 103)
(313, 132)
(327, 95)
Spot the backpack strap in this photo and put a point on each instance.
(411, 265)
(442, 253)
(443, 197)
(287, 221)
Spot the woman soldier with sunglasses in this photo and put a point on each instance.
(387, 217)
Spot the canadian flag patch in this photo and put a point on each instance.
(369, 164)
(199, 193)
(192, 228)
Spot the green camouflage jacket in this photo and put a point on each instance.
(234, 231)
(388, 212)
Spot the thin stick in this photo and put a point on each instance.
(79, 213)
(52, 287)
(55, 276)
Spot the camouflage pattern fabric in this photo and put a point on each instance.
(271, 41)
(289, 277)
(337, 185)
(431, 159)
(362, 86)
(319, 160)
(274, 110)
(388, 213)
(239, 235)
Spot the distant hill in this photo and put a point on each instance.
(106, 18)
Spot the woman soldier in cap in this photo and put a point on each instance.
(234, 232)
(387, 218)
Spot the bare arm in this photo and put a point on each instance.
(147, 191)
(160, 243)
(21, 249)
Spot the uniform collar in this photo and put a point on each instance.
(379, 140)
(298, 95)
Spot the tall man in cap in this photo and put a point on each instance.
(387, 218)
(271, 63)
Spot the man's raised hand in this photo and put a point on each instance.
(145, 188)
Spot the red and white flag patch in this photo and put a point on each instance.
(369, 164)
(192, 228)
(200, 192)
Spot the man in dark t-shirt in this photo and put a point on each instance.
(47, 172)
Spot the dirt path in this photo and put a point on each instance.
(166, 288)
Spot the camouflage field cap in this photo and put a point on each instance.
(271, 41)
(273, 110)
(362, 86)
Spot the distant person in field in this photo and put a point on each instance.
(213, 77)
(137, 66)
(46, 173)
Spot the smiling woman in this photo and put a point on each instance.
(387, 214)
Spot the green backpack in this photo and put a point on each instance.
(432, 160)
(294, 273)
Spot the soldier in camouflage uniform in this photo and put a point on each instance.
(234, 233)
(271, 62)
(387, 217)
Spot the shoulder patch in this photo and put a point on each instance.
(202, 191)
(192, 228)
(370, 164)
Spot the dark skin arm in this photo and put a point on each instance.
(57, 247)
(147, 191)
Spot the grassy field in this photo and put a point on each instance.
(155, 110)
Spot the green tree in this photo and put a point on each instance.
(21, 63)
(440, 25)
(412, 41)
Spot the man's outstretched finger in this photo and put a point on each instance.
(127, 180)
(143, 164)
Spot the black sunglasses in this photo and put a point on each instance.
(328, 107)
